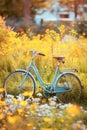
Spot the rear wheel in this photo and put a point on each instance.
(71, 82)
(19, 82)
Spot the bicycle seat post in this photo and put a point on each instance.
(58, 64)
(59, 60)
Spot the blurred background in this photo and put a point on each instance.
(42, 14)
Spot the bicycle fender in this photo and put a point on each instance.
(26, 71)
(68, 73)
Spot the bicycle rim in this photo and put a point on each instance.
(13, 81)
(72, 82)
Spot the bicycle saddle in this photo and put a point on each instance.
(60, 58)
(36, 53)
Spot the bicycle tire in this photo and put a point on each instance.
(12, 82)
(74, 83)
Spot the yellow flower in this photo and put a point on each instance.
(12, 119)
(15, 100)
(79, 126)
(2, 103)
(34, 106)
(3, 128)
(43, 101)
(49, 99)
(1, 90)
(1, 116)
(30, 124)
(47, 129)
(27, 94)
(73, 110)
(20, 111)
(23, 103)
(64, 128)
(47, 119)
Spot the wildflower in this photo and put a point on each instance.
(50, 99)
(30, 124)
(1, 116)
(15, 100)
(23, 103)
(79, 126)
(64, 128)
(2, 103)
(20, 111)
(34, 106)
(73, 110)
(84, 33)
(47, 129)
(27, 94)
(12, 119)
(1, 90)
(3, 128)
(45, 67)
(47, 119)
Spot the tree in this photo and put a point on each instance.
(20, 8)
(12, 8)
(27, 8)
(74, 3)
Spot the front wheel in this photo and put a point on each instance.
(73, 87)
(19, 82)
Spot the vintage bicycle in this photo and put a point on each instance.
(65, 85)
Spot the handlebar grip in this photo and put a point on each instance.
(37, 53)
(41, 54)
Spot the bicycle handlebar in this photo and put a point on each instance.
(37, 53)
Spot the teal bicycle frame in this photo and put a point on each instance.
(42, 83)
(33, 67)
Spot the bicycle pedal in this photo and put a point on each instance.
(67, 88)
(53, 93)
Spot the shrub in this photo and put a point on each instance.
(81, 27)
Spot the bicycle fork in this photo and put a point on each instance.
(23, 81)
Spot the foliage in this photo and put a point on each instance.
(18, 8)
(14, 52)
(81, 27)
(11, 8)
(75, 4)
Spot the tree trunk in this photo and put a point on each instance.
(27, 8)
(14, 2)
(75, 8)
